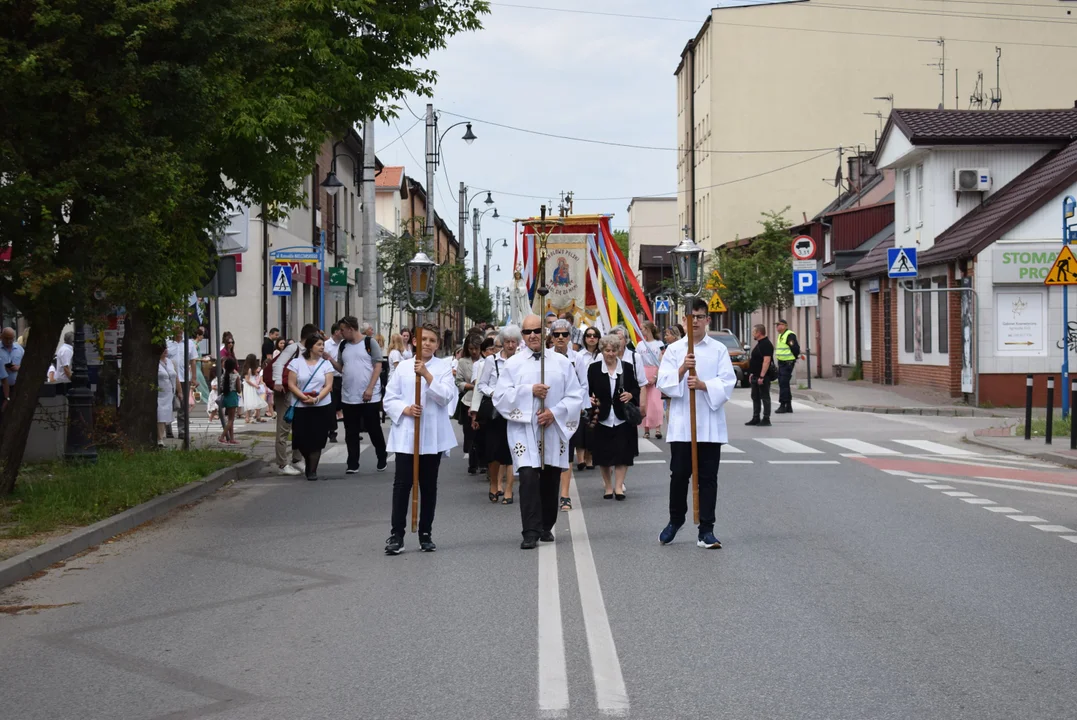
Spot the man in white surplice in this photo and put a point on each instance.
(518, 398)
(713, 384)
(436, 436)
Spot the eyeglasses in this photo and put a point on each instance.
(700, 317)
(532, 331)
(561, 334)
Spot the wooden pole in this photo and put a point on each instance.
(543, 236)
(415, 456)
(692, 420)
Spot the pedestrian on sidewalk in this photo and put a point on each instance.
(465, 384)
(253, 402)
(359, 362)
(310, 383)
(396, 351)
(541, 412)
(649, 353)
(285, 450)
(494, 426)
(612, 386)
(168, 389)
(405, 335)
(269, 343)
(786, 353)
(438, 396)
(332, 351)
(588, 355)
(229, 389)
(713, 384)
(761, 371)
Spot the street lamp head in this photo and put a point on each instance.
(332, 183)
(504, 242)
(422, 276)
(469, 137)
(495, 215)
(688, 268)
(489, 199)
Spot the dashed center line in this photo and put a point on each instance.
(1026, 518)
(1053, 528)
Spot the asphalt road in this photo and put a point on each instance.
(874, 567)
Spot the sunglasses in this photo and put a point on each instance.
(560, 334)
(532, 331)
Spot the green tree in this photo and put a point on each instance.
(621, 238)
(758, 274)
(128, 127)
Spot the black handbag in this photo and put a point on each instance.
(487, 411)
(632, 414)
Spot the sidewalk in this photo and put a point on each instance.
(863, 396)
(1003, 438)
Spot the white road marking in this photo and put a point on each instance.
(735, 462)
(923, 424)
(646, 446)
(1071, 538)
(787, 446)
(335, 454)
(859, 446)
(651, 462)
(959, 494)
(921, 481)
(978, 501)
(1026, 518)
(939, 487)
(937, 448)
(804, 462)
(1053, 528)
(552, 669)
(611, 695)
(1021, 485)
(730, 449)
(1007, 510)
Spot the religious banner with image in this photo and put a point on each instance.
(566, 273)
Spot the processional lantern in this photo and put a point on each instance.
(688, 267)
(422, 278)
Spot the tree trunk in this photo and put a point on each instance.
(138, 383)
(19, 413)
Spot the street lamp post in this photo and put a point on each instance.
(80, 444)
(688, 280)
(422, 281)
(465, 205)
(332, 186)
(476, 229)
(433, 155)
(489, 253)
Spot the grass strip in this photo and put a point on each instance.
(1059, 428)
(59, 495)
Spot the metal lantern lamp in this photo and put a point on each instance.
(422, 276)
(332, 183)
(469, 136)
(688, 268)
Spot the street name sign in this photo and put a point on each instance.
(1064, 270)
(805, 265)
(282, 279)
(901, 262)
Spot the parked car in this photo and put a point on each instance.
(738, 354)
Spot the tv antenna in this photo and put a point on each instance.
(941, 65)
(977, 98)
(996, 93)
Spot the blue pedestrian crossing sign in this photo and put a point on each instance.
(661, 306)
(901, 262)
(282, 279)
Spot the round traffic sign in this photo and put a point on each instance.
(804, 247)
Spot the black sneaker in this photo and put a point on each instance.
(529, 544)
(394, 545)
(546, 536)
(471, 471)
(426, 544)
(753, 421)
(333, 438)
(382, 464)
(765, 422)
(352, 471)
(781, 410)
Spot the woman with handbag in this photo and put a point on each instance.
(493, 425)
(587, 356)
(310, 381)
(465, 385)
(614, 394)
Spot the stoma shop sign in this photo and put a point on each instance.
(1024, 263)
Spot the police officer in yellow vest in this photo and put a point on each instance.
(786, 352)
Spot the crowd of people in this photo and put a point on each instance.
(531, 415)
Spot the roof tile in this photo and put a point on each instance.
(931, 127)
(389, 178)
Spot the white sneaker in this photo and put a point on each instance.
(288, 470)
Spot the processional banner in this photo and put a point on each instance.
(566, 273)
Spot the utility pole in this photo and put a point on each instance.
(370, 243)
(431, 160)
(462, 237)
(475, 243)
(486, 269)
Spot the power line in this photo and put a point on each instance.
(417, 117)
(941, 13)
(790, 28)
(628, 145)
(399, 137)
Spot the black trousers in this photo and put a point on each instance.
(470, 446)
(760, 396)
(364, 417)
(785, 376)
(338, 382)
(680, 481)
(428, 491)
(537, 493)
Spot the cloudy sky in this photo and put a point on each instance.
(596, 77)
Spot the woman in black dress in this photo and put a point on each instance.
(496, 429)
(615, 442)
(587, 355)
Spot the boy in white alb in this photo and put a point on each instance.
(436, 436)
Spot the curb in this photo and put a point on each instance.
(25, 564)
(954, 411)
(1044, 455)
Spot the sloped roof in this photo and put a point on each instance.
(1004, 210)
(977, 127)
(390, 178)
(874, 263)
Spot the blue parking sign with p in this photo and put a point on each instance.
(805, 282)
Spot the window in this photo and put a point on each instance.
(906, 181)
(944, 316)
(910, 321)
(925, 314)
(919, 195)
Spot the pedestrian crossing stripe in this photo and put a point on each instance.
(1064, 270)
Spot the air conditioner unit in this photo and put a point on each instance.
(972, 179)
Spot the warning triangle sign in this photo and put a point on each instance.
(1064, 271)
(282, 284)
(902, 264)
(716, 305)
